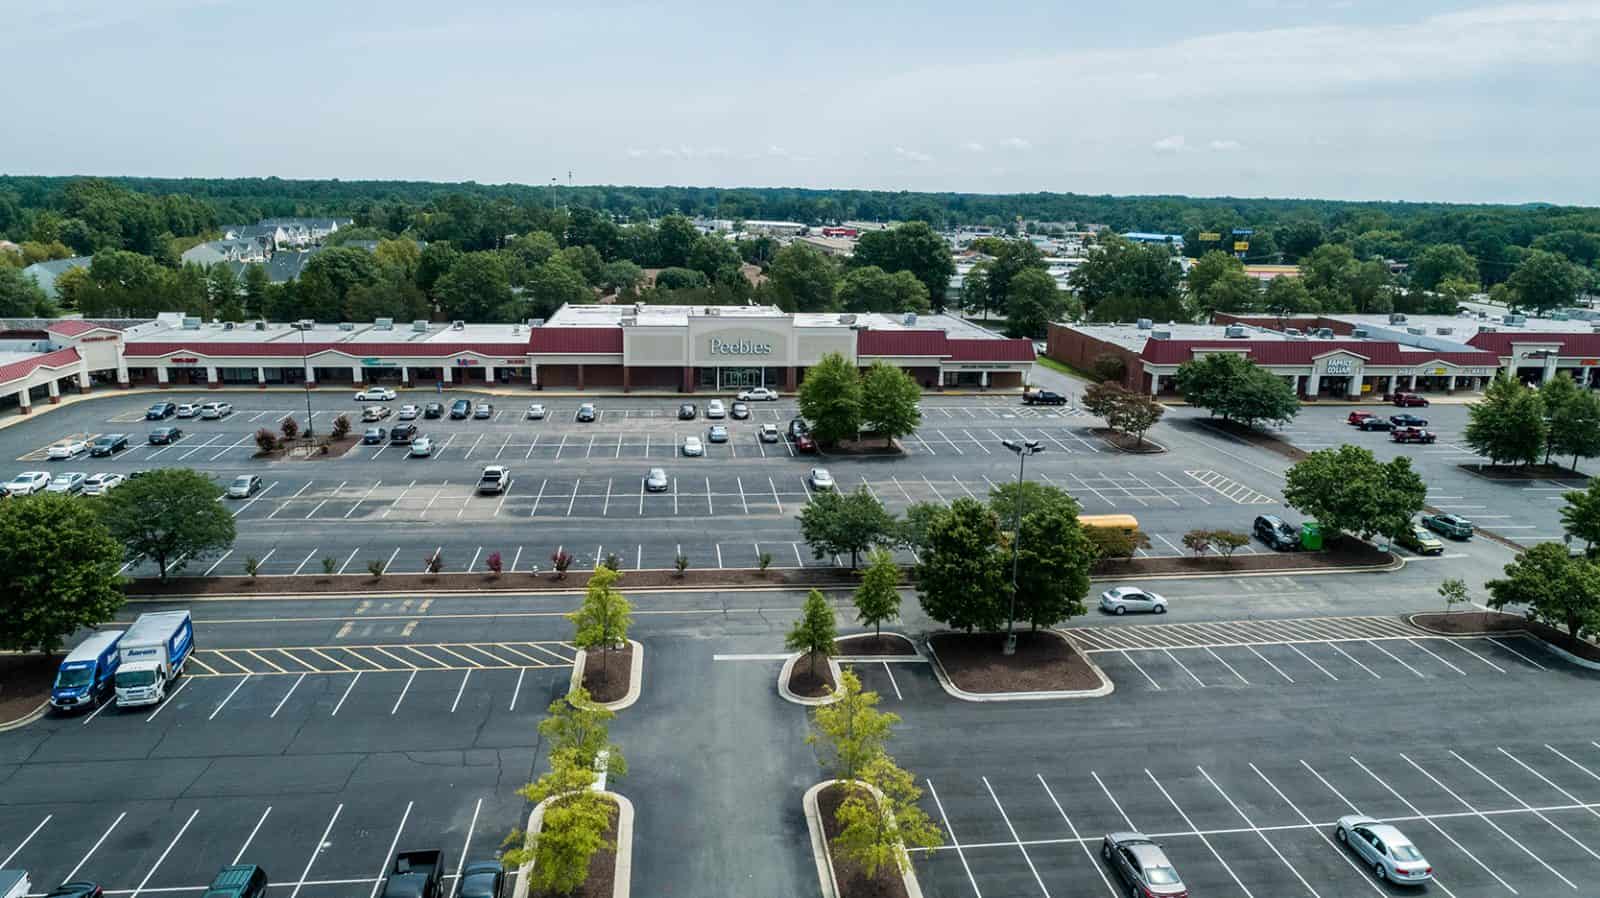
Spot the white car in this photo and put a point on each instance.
(1391, 854)
(692, 447)
(656, 481)
(421, 447)
(215, 411)
(67, 482)
(820, 479)
(715, 409)
(376, 394)
(188, 409)
(374, 413)
(494, 480)
(28, 482)
(769, 433)
(102, 483)
(757, 394)
(409, 412)
(68, 449)
(536, 412)
(1122, 599)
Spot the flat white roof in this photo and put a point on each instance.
(645, 315)
(360, 332)
(1463, 327)
(1132, 337)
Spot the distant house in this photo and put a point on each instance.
(214, 251)
(307, 231)
(45, 273)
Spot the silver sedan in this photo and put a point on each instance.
(656, 481)
(1391, 855)
(1122, 599)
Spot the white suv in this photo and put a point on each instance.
(376, 394)
(757, 394)
(213, 411)
(494, 479)
(28, 482)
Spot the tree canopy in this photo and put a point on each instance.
(1508, 424)
(1347, 489)
(1557, 588)
(58, 571)
(170, 516)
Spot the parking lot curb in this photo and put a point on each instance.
(201, 597)
(621, 883)
(1386, 567)
(1105, 688)
(1545, 644)
(27, 718)
(789, 696)
(635, 677)
(823, 858)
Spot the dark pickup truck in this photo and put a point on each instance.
(1412, 435)
(1043, 397)
(416, 874)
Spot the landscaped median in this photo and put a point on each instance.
(1046, 665)
(613, 678)
(842, 877)
(25, 682)
(1579, 651)
(610, 868)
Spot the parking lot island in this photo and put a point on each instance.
(892, 881)
(610, 870)
(619, 688)
(1046, 665)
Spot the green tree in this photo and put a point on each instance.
(477, 288)
(913, 247)
(834, 523)
(1580, 517)
(578, 730)
(20, 296)
(1263, 397)
(1507, 424)
(1555, 396)
(553, 285)
(814, 632)
(1124, 410)
(891, 402)
(1544, 280)
(1234, 291)
(1454, 592)
(715, 258)
(571, 833)
(1287, 296)
(911, 532)
(1230, 385)
(171, 516)
(256, 282)
(602, 621)
(1347, 489)
(1580, 247)
(1210, 268)
(975, 290)
(850, 731)
(621, 276)
(803, 279)
(675, 237)
(1205, 382)
(878, 597)
(399, 259)
(1053, 560)
(871, 289)
(830, 399)
(1556, 588)
(58, 571)
(586, 261)
(1120, 269)
(877, 829)
(680, 279)
(1441, 262)
(963, 579)
(222, 284)
(1034, 302)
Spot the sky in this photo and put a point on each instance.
(1398, 100)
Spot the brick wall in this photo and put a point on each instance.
(1081, 350)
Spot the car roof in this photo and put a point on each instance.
(1148, 854)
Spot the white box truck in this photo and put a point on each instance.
(154, 651)
(14, 884)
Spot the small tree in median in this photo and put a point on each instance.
(1557, 588)
(1454, 592)
(830, 399)
(963, 580)
(1197, 541)
(580, 731)
(850, 731)
(375, 567)
(877, 829)
(560, 560)
(571, 833)
(834, 523)
(434, 563)
(813, 634)
(170, 516)
(329, 565)
(601, 622)
(878, 597)
(290, 428)
(891, 402)
(340, 427)
(266, 440)
(1228, 542)
(494, 563)
(680, 564)
(58, 571)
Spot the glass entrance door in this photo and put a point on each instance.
(738, 378)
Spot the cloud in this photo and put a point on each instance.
(1016, 143)
(912, 155)
(682, 151)
(1225, 145)
(972, 146)
(1173, 144)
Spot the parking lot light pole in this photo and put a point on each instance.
(1023, 449)
(304, 361)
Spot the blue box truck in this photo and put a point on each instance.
(88, 675)
(154, 651)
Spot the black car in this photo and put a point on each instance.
(1043, 397)
(1375, 423)
(1276, 533)
(163, 436)
(1407, 421)
(161, 410)
(686, 411)
(460, 410)
(108, 444)
(586, 413)
(402, 433)
(798, 428)
(374, 436)
(433, 410)
(482, 879)
(75, 890)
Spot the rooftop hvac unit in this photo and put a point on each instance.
(1144, 324)
(713, 310)
(458, 325)
(629, 321)
(1396, 318)
(535, 322)
(383, 324)
(1559, 315)
(1234, 331)
(346, 326)
(1295, 336)
(227, 325)
(1161, 335)
(420, 325)
(1416, 331)
(191, 324)
(1515, 320)
(1595, 327)
(847, 319)
(1291, 331)
(261, 325)
(1488, 329)
(1444, 331)
(910, 320)
(1325, 333)
(306, 324)
(1360, 333)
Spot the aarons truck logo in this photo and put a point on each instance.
(720, 346)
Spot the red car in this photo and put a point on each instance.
(1407, 400)
(804, 443)
(1356, 418)
(1412, 435)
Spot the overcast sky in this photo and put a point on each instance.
(1402, 99)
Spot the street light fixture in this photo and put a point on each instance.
(305, 361)
(1023, 449)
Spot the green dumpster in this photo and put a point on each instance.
(1311, 536)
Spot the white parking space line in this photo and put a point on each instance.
(256, 498)
(1141, 670)
(573, 499)
(95, 847)
(1351, 658)
(1517, 653)
(1436, 657)
(460, 692)
(955, 842)
(1345, 855)
(1082, 843)
(1018, 839)
(1546, 780)
(1114, 803)
(316, 850)
(309, 555)
(1214, 654)
(1530, 808)
(402, 696)
(1251, 824)
(353, 680)
(1269, 663)
(217, 563)
(161, 707)
(1186, 670)
(1203, 840)
(1458, 644)
(160, 860)
(282, 701)
(229, 697)
(24, 843)
(284, 504)
(1312, 662)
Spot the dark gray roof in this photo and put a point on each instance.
(58, 266)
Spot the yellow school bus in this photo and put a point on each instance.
(1127, 524)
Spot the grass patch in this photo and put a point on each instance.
(1064, 368)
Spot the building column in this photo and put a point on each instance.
(446, 374)
(122, 373)
(488, 375)
(1411, 382)
(533, 376)
(688, 381)
(1450, 385)
(311, 377)
(83, 382)
(627, 379)
(789, 383)
(983, 380)
(1549, 368)
(405, 376)
(580, 377)
(212, 381)
(1354, 390)
(1313, 384)
(261, 378)
(355, 375)
(24, 401)
(1155, 384)
(163, 378)
(55, 390)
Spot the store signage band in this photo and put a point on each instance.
(1338, 367)
(184, 361)
(720, 346)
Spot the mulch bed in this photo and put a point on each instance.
(602, 869)
(804, 683)
(867, 445)
(1530, 472)
(1338, 552)
(891, 644)
(822, 578)
(1464, 622)
(25, 682)
(336, 449)
(1256, 438)
(1044, 662)
(608, 682)
(1125, 443)
(853, 883)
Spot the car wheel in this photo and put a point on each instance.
(1105, 851)
(1119, 610)
(1161, 609)
(1339, 834)
(1378, 871)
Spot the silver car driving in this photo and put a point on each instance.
(1123, 599)
(1392, 856)
(1142, 865)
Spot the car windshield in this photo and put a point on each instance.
(1405, 852)
(1161, 876)
(241, 482)
(136, 678)
(73, 677)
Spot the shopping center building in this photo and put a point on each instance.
(611, 348)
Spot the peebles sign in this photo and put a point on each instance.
(720, 346)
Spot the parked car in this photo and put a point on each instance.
(692, 447)
(244, 486)
(1420, 541)
(757, 394)
(655, 481)
(1355, 418)
(67, 449)
(77, 889)
(1412, 435)
(433, 410)
(164, 436)
(374, 436)
(108, 444)
(102, 483)
(686, 411)
(70, 482)
(1407, 400)
(1142, 865)
(483, 411)
(409, 413)
(1122, 599)
(215, 411)
(402, 434)
(1043, 397)
(1376, 423)
(1391, 854)
(28, 482)
(587, 413)
(797, 427)
(375, 413)
(1276, 532)
(421, 447)
(460, 410)
(238, 881)
(739, 411)
(769, 433)
(820, 479)
(1452, 525)
(376, 394)
(160, 411)
(804, 443)
(188, 409)
(1408, 420)
(717, 434)
(482, 879)
(715, 409)
(536, 412)
(494, 479)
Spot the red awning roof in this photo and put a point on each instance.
(292, 349)
(1574, 344)
(902, 343)
(991, 350)
(61, 358)
(573, 340)
(1303, 352)
(72, 327)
